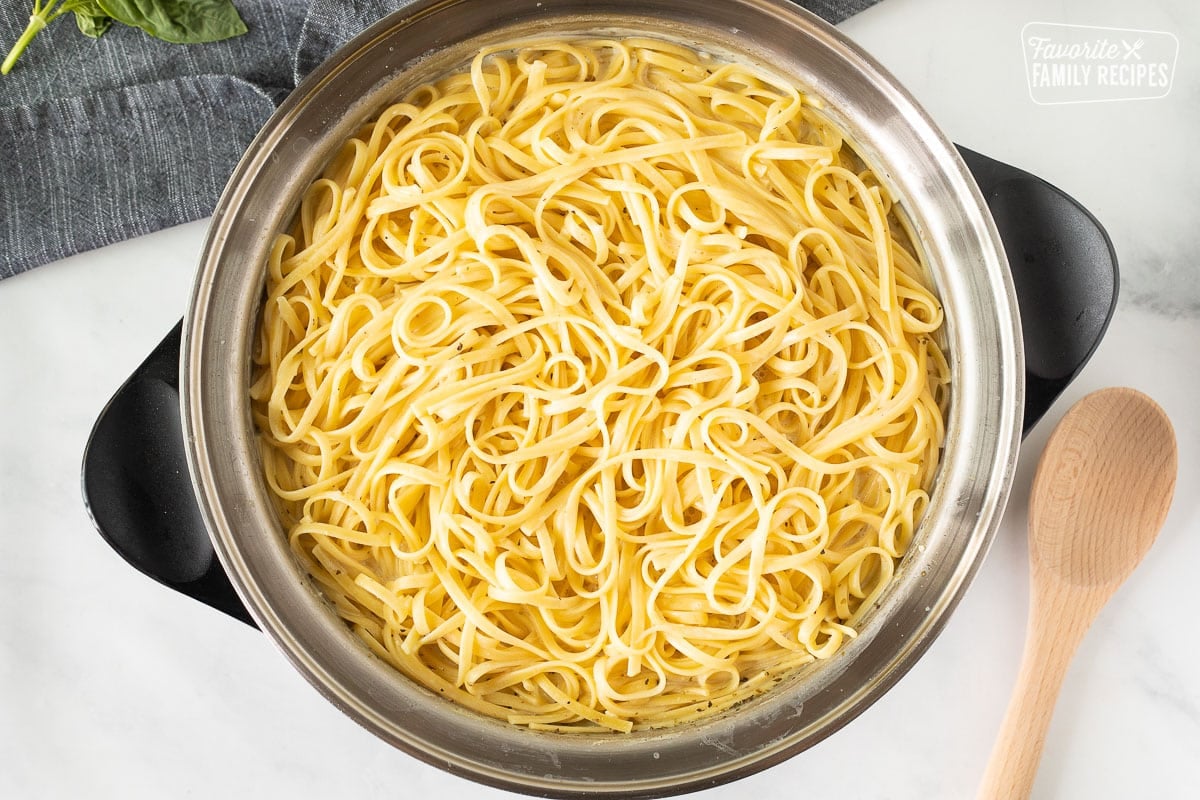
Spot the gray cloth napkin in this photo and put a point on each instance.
(102, 140)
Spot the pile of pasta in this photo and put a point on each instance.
(598, 384)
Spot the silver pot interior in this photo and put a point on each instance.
(948, 220)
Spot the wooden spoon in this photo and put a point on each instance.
(1099, 498)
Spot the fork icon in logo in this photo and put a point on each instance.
(1132, 49)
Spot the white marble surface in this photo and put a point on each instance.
(114, 687)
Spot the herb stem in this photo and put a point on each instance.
(38, 20)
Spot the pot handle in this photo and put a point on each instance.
(138, 492)
(1064, 269)
(137, 489)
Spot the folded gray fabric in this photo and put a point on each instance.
(101, 140)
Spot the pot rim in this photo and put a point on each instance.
(983, 430)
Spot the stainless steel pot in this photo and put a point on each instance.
(951, 222)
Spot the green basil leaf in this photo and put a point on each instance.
(91, 19)
(178, 21)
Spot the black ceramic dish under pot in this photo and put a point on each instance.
(186, 412)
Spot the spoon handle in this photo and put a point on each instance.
(1055, 632)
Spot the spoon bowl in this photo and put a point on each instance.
(1102, 488)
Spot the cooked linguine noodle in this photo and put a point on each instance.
(597, 386)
